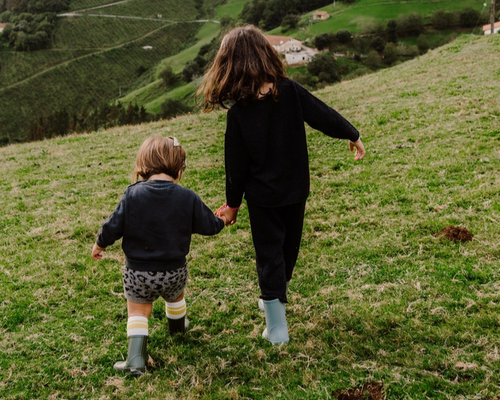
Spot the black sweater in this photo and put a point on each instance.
(265, 145)
(156, 220)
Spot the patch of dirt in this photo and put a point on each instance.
(456, 233)
(369, 391)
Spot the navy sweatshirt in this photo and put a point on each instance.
(156, 220)
(265, 145)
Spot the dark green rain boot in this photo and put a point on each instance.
(137, 356)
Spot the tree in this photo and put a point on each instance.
(468, 18)
(290, 21)
(442, 19)
(378, 44)
(324, 40)
(344, 36)
(325, 68)
(373, 60)
(168, 76)
(226, 21)
(392, 31)
(423, 44)
(412, 25)
(391, 54)
(172, 107)
(190, 71)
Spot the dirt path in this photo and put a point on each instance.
(73, 13)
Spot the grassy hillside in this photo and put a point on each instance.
(152, 95)
(87, 81)
(355, 17)
(376, 296)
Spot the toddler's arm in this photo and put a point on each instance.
(96, 252)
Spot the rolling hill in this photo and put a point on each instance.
(97, 54)
(377, 300)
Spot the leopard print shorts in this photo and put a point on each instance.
(146, 286)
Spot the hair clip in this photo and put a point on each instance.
(176, 142)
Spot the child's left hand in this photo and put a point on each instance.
(228, 214)
(96, 252)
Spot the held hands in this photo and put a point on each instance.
(360, 149)
(228, 214)
(96, 252)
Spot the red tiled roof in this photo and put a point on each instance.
(278, 40)
(487, 27)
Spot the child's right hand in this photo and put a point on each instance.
(360, 149)
(96, 252)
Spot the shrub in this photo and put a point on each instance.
(392, 31)
(468, 18)
(391, 54)
(172, 107)
(168, 76)
(405, 50)
(324, 40)
(442, 19)
(373, 60)
(423, 44)
(324, 67)
(344, 36)
(378, 44)
(190, 71)
(290, 21)
(412, 25)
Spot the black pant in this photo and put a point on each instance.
(276, 234)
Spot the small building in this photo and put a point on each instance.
(284, 44)
(147, 47)
(487, 28)
(2, 27)
(320, 15)
(301, 57)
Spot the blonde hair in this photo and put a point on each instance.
(159, 155)
(246, 60)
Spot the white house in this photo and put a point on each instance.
(487, 28)
(301, 57)
(284, 44)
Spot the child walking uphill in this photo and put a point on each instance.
(156, 218)
(266, 156)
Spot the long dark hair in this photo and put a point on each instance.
(245, 61)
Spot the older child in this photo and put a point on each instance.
(266, 156)
(156, 218)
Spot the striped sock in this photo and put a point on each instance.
(176, 310)
(176, 315)
(137, 326)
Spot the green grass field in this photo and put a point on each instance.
(376, 296)
(364, 12)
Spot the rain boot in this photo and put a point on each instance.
(276, 327)
(137, 356)
(261, 302)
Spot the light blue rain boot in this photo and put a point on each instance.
(261, 302)
(277, 329)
